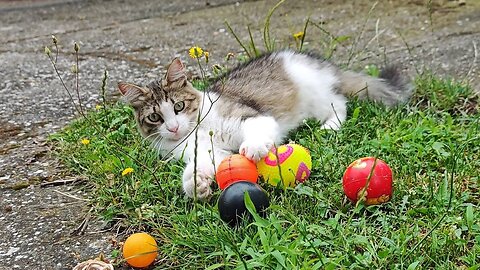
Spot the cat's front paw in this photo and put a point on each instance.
(201, 187)
(255, 149)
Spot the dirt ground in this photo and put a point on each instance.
(134, 40)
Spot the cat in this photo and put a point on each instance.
(249, 109)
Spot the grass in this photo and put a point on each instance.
(431, 145)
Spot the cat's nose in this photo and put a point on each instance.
(173, 129)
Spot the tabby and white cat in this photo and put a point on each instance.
(249, 109)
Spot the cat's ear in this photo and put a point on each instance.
(131, 93)
(176, 72)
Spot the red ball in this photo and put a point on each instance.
(357, 175)
(235, 168)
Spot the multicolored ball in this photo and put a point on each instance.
(369, 179)
(290, 162)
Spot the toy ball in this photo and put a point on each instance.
(235, 168)
(356, 176)
(140, 250)
(290, 162)
(231, 203)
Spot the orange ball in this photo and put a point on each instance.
(235, 168)
(140, 250)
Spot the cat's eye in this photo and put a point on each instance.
(154, 117)
(179, 106)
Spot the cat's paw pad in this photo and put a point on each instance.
(255, 149)
(202, 187)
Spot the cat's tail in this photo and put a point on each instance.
(390, 88)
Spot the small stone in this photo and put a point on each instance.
(10, 251)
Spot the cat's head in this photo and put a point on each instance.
(166, 108)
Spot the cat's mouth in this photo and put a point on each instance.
(175, 136)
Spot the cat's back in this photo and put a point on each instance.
(261, 86)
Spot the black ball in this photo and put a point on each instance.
(231, 204)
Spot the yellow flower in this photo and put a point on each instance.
(195, 52)
(298, 35)
(127, 171)
(85, 141)
(98, 107)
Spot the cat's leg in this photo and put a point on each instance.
(336, 116)
(259, 135)
(207, 162)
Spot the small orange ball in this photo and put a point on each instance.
(140, 250)
(235, 168)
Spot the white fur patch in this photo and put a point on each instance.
(260, 134)
(316, 82)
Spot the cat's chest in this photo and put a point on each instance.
(224, 132)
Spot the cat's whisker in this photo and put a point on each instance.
(153, 134)
(154, 143)
(158, 143)
(168, 158)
